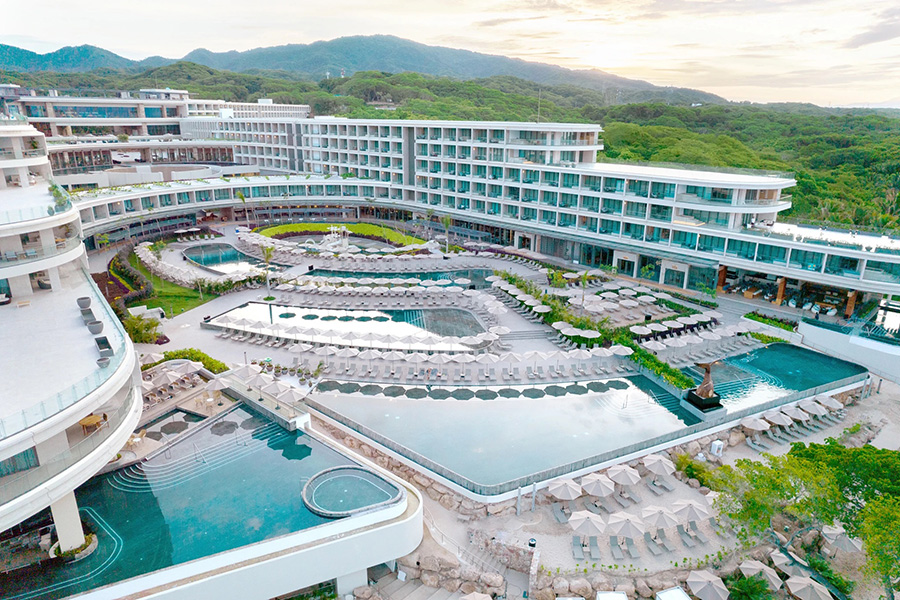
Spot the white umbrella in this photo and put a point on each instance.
(690, 510)
(710, 336)
(658, 517)
(597, 484)
(829, 402)
(627, 292)
(276, 388)
(147, 386)
(216, 385)
(658, 465)
(784, 564)
(247, 371)
(586, 523)
(543, 308)
(754, 424)
(298, 348)
(601, 352)
(691, 339)
(805, 588)
(706, 586)
(654, 345)
(640, 330)
(153, 357)
(777, 418)
(813, 408)
(625, 524)
(499, 330)
(186, 368)
(623, 474)
(619, 350)
(291, 395)
(675, 342)
(795, 413)
(564, 489)
(687, 320)
(713, 314)
(629, 303)
(749, 568)
(837, 537)
(476, 596)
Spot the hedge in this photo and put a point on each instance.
(786, 324)
(209, 363)
(139, 286)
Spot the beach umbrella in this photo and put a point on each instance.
(795, 413)
(837, 537)
(560, 325)
(813, 408)
(508, 393)
(298, 348)
(499, 330)
(709, 336)
(777, 418)
(673, 324)
(691, 339)
(564, 489)
(543, 308)
(439, 359)
(749, 568)
(165, 378)
(598, 484)
(829, 402)
(623, 474)
(611, 285)
(690, 510)
(625, 524)
(713, 314)
(488, 358)
(659, 327)
(706, 586)
(247, 371)
(276, 388)
(619, 350)
(533, 393)
(186, 368)
(639, 330)
(658, 464)
(754, 424)
(486, 394)
(675, 342)
(627, 292)
(153, 357)
(216, 385)
(629, 303)
(805, 588)
(784, 564)
(658, 517)
(654, 345)
(493, 278)
(393, 391)
(555, 390)
(476, 596)
(586, 523)
(601, 352)
(646, 299)
(147, 386)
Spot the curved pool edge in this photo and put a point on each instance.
(318, 479)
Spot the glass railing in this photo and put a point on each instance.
(67, 397)
(20, 483)
(32, 254)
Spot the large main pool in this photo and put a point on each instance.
(233, 483)
(221, 258)
(519, 434)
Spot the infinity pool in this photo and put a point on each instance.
(492, 439)
(230, 484)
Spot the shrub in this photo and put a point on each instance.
(694, 469)
(140, 329)
(818, 562)
(120, 269)
(786, 324)
(765, 339)
(211, 364)
(749, 588)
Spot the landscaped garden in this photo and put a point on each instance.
(364, 230)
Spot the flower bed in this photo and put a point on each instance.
(786, 324)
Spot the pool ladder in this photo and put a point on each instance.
(198, 454)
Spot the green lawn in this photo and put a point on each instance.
(172, 298)
(359, 228)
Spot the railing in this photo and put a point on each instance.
(853, 331)
(39, 253)
(592, 461)
(684, 167)
(62, 400)
(460, 551)
(26, 481)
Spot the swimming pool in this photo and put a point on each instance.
(173, 423)
(230, 484)
(347, 490)
(477, 276)
(494, 443)
(221, 258)
(330, 326)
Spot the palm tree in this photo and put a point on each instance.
(268, 252)
(446, 220)
(243, 200)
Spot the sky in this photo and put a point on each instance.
(829, 52)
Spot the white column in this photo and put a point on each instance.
(68, 522)
(351, 581)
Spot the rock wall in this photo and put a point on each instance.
(515, 557)
(435, 567)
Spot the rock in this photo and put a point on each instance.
(600, 582)
(363, 591)
(809, 538)
(492, 579)
(681, 576)
(421, 480)
(451, 585)
(627, 588)
(544, 594)
(693, 448)
(468, 504)
(442, 489)
(433, 494)
(581, 587)
(679, 475)
(430, 563)
(643, 590)
(736, 438)
(448, 502)
(703, 490)
(430, 578)
(781, 538)
(542, 581)
(560, 586)
(468, 573)
(467, 587)
(410, 560)
(693, 483)
(411, 573)
(448, 562)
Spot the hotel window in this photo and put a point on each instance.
(548, 198)
(711, 243)
(636, 209)
(684, 239)
(566, 220)
(718, 219)
(612, 207)
(611, 227)
(587, 224)
(568, 201)
(639, 188)
(776, 255)
(548, 217)
(807, 260)
(635, 232)
(877, 270)
(570, 180)
(741, 249)
(529, 214)
(842, 265)
(662, 190)
(660, 213)
(153, 112)
(590, 203)
(613, 185)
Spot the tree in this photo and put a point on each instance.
(446, 220)
(243, 200)
(140, 329)
(879, 532)
(750, 588)
(268, 252)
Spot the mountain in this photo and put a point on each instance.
(363, 53)
(65, 60)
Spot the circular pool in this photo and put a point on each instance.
(348, 490)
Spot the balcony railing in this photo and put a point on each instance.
(32, 254)
(62, 400)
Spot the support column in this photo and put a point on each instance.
(723, 275)
(68, 522)
(782, 284)
(351, 581)
(851, 303)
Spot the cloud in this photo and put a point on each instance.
(881, 32)
(506, 21)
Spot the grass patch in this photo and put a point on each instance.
(361, 229)
(786, 324)
(172, 298)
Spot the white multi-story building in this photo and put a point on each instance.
(67, 357)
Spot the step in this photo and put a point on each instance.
(422, 593)
(406, 590)
(440, 594)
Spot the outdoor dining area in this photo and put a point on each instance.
(170, 383)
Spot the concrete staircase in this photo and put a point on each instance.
(392, 588)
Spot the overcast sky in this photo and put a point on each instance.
(823, 51)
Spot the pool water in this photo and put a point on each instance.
(477, 276)
(221, 258)
(497, 441)
(234, 483)
(347, 490)
(173, 423)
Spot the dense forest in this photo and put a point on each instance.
(847, 162)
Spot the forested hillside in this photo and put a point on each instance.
(847, 162)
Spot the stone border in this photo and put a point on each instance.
(337, 514)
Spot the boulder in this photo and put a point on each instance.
(560, 586)
(410, 560)
(451, 585)
(433, 494)
(411, 573)
(542, 581)
(448, 562)
(693, 483)
(421, 480)
(627, 588)
(467, 573)
(430, 578)
(363, 591)
(448, 501)
(581, 587)
(494, 580)
(467, 587)
(544, 594)
(430, 563)
(703, 490)
(643, 590)
(736, 438)
(600, 582)
(441, 488)
(693, 448)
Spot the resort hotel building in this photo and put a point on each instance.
(231, 491)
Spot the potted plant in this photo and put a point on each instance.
(95, 327)
(84, 302)
(103, 362)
